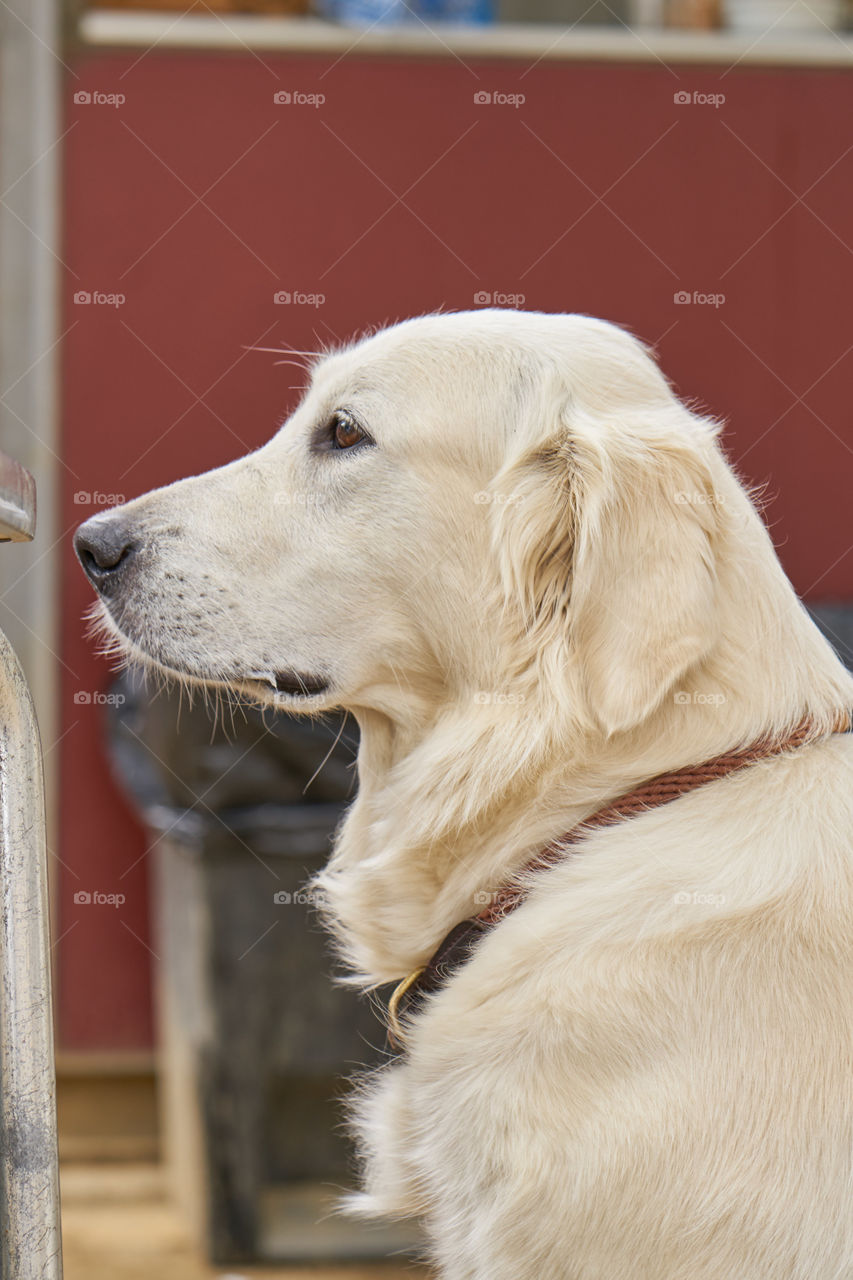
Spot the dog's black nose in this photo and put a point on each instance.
(104, 547)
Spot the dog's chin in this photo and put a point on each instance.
(286, 688)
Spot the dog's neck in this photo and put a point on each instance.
(451, 804)
(415, 856)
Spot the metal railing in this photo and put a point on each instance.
(30, 1242)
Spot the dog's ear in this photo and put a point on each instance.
(606, 537)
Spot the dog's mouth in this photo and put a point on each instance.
(266, 686)
(294, 684)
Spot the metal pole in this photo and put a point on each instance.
(31, 81)
(30, 1245)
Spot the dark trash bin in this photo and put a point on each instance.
(255, 1037)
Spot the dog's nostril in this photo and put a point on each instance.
(96, 566)
(102, 559)
(103, 546)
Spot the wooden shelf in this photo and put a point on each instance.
(243, 32)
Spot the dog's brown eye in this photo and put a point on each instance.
(345, 431)
(340, 432)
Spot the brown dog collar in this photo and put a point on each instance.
(460, 942)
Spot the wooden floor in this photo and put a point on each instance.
(117, 1224)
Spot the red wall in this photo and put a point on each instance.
(199, 197)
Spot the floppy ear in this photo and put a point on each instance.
(606, 538)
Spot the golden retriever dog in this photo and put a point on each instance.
(526, 568)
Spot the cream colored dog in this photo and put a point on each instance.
(526, 568)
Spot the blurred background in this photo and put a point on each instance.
(189, 189)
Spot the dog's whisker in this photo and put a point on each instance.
(325, 759)
(284, 351)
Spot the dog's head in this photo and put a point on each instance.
(458, 501)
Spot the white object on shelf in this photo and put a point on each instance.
(646, 13)
(782, 16)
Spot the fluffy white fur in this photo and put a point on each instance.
(543, 585)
